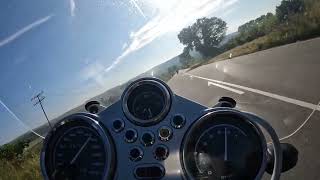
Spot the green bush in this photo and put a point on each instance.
(295, 20)
(27, 167)
(13, 151)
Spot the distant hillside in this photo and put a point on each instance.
(110, 96)
(163, 68)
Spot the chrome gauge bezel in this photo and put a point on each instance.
(224, 111)
(91, 123)
(167, 96)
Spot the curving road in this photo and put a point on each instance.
(280, 84)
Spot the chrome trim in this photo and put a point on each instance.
(92, 123)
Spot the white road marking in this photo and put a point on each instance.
(275, 96)
(226, 88)
(300, 127)
(225, 70)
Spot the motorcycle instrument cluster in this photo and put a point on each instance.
(152, 133)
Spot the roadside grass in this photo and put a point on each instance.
(247, 48)
(26, 167)
(256, 45)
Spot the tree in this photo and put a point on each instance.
(186, 37)
(185, 58)
(289, 7)
(258, 27)
(269, 22)
(204, 35)
(172, 70)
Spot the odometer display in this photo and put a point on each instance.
(77, 149)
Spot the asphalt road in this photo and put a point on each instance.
(281, 85)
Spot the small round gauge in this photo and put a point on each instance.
(223, 146)
(146, 105)
(146, 102)
(77, 149)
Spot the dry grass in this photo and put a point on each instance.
(247, 48)
(24, 168)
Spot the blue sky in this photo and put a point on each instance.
(76, 49)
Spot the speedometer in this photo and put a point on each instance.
(223, 146)
(77, 148)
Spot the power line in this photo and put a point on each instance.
(38, 100)
(19, 120)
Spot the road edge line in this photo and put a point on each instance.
(271, 95)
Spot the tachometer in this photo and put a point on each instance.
(77, 148)
(223, 146)
(146, 102)
(146, 105)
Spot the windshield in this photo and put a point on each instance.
(58, 55)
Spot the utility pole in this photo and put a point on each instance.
(38, 100)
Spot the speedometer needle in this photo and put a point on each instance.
(56, 171)
(80, 150)
(225, 145)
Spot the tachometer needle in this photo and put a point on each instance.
(225, 145)
(80, 150)
(150, 113)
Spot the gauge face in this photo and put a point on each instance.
(223, 147)
(147, 105)
(146, 102)
(76, 151)
(81, 151)
(221, 151)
